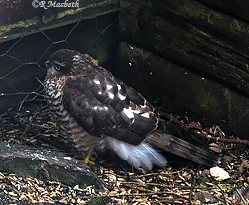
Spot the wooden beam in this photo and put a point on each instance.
(238, 8)
(181, 91)
(191, 34)
(20, 18)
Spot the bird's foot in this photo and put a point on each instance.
(87, 159)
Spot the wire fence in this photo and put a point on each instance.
(22, 60)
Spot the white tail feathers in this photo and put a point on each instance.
(142, 155)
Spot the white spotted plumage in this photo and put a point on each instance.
(109, 87)
(129, 112)
(96, 81)
(111, 95)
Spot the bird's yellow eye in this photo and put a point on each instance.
(57, 68)
(58, 65)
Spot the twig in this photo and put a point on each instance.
(192, 186)
(144, 194)
(21, 103)
(169, 201)
(159, 173)
(145, 183)
(203, 135)
(28, 127)
(13, 189)
(241, 196)
(23, 125)
(35, 96)
(223, 195)
(218, 139)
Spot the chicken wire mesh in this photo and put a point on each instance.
(22, 60)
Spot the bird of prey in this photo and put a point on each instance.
(95, 110)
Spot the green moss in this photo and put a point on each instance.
(207, 101)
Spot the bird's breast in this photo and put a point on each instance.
(54, 90)
(69, 129)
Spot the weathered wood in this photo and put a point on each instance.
(166, 83)
(20, 18)
(238, 8)
(25, 161)
(191, 34)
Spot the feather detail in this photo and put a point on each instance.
(177, 146)
(155, 156)
(142, 155)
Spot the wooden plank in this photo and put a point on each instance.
(238, 8)
(192, 35)
(20, 18)
(181, 91)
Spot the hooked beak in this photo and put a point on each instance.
(47, 64)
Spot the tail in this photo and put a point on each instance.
(146, 154)
(142, 155)
(177, 146)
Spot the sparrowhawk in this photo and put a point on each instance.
(94, 109)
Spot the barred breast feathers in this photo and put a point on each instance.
(69, 129)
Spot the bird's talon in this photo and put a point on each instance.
(88, 161)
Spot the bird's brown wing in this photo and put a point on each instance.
(102, 104)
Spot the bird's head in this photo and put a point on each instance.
(67, 62)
